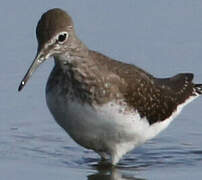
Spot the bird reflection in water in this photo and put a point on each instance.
(112, 173)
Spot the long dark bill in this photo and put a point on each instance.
(37, 61)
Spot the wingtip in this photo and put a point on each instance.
(187, 76)
(198, 88)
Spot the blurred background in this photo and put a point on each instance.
(162, 37)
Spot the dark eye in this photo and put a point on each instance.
(62, 37)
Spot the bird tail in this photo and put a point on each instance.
(198, 89)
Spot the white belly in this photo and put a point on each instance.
(105, 128)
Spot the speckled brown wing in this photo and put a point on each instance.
(156, 99)
(118, 76)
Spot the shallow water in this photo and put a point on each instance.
(46, 152)
(163, 37)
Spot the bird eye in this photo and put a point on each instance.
(62, 37)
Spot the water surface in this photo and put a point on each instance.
(162, 37)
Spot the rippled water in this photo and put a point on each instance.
(33, 149)
(163, 37)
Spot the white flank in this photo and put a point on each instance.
(106, 128)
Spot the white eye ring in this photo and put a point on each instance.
(62, 37)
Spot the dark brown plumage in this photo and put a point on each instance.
(154, 98)
(46, 26)
(105, 105)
